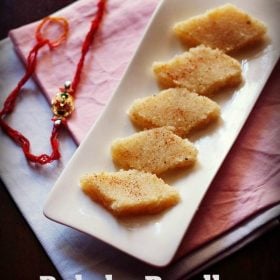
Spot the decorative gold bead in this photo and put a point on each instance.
(62, 105)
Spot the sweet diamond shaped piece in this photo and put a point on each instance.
(178, 107)
(155, 150)
(227, 28)
(130, 193)
(202, 70)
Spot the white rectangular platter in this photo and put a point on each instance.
(155, 239)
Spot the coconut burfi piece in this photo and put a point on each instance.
(155, 151)
(225, 27)
(202, 70)
(130, 193)
(178, 107)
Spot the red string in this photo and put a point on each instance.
(58, 20)
(9, 103)
(88, 41)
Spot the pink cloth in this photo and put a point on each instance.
(249, 179)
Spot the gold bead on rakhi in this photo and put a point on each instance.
(63, 104)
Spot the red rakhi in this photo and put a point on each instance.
(63, 102)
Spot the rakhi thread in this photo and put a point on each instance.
(62, 104)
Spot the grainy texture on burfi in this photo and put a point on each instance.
(155, 150)
(225, 27)
(130, 193)
(178, 107)
(202, 70)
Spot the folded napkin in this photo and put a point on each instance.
(249, 179)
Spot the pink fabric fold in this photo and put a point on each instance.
(249, 180)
